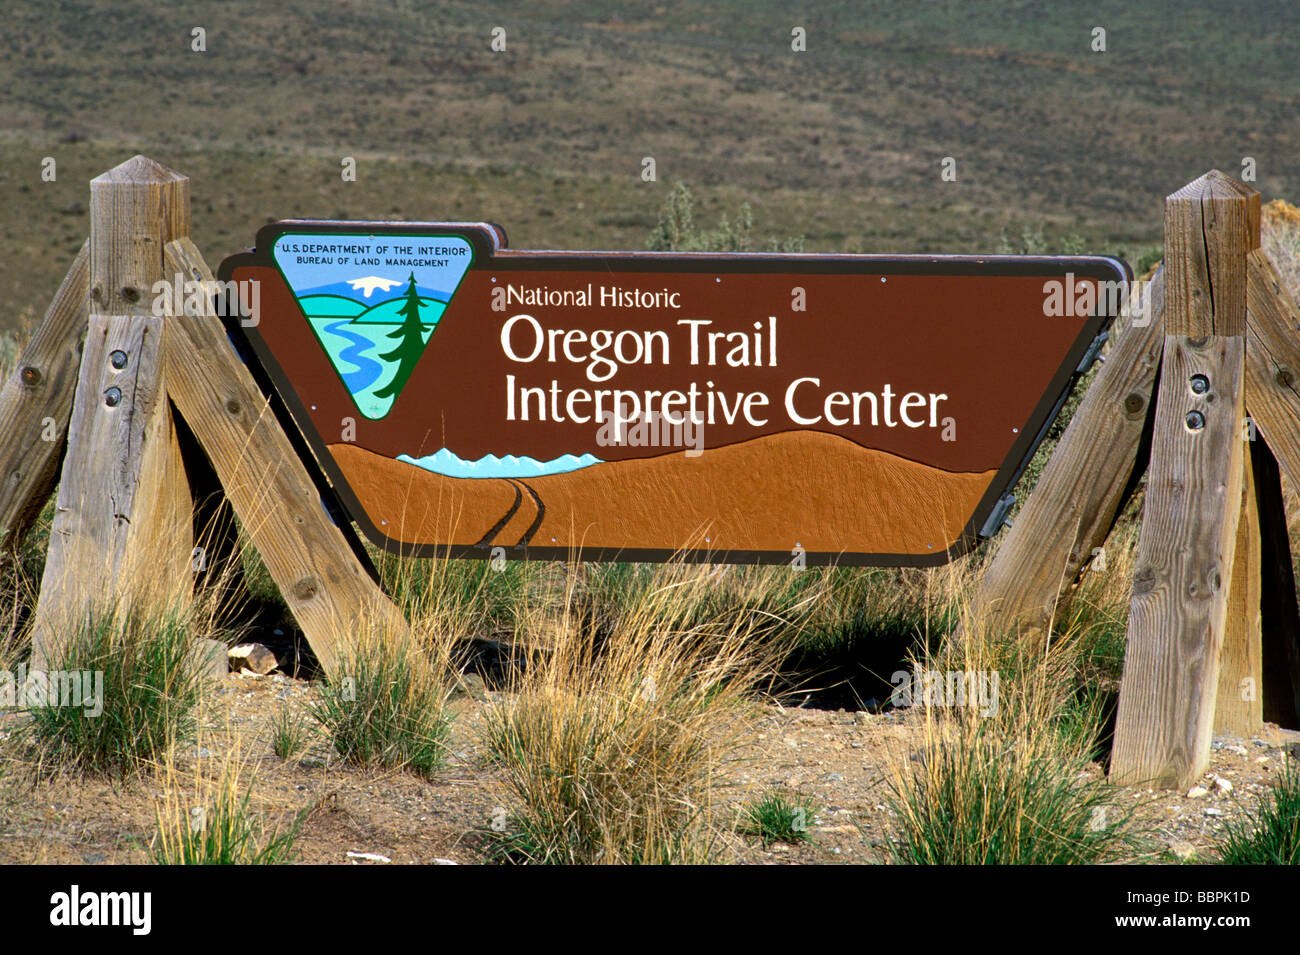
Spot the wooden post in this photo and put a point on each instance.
(1193, 500)
(331, 596)
(1238, 709)
(122, 526)
(36, 403)
(1082, 488)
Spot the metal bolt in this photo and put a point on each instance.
(113, 397)
(117, 359)
(1195, 420)
(1200, 384)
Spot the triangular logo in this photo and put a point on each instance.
(373, 302)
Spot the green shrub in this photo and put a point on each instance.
(289, 733)
(151, 686)
(1271, 834)
(777, 818)
(386, 707)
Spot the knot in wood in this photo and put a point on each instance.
(1283, 377)
(304, 589)
(1144, 580)
(130, 293)
(1133, 404)
(233, 406)
(31, 376)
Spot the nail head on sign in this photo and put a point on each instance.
(113, 397)
(117, 359)
(1200, 384)
(1195, 420)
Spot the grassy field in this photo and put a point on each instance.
(841, 143)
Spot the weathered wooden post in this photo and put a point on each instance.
(122, 528)
(1184, 569)
(36, 403)
(331, 596)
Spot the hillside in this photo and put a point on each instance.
(841, 143)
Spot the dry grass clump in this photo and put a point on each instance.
(619, 728)
(211, 821)
(385, 706)
(1009, 778)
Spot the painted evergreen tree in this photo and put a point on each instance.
(410, 336)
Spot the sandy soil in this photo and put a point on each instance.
(839, 759)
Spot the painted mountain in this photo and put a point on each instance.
(371, 307)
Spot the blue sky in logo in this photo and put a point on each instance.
(357, 291)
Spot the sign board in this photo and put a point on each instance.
(858, 409)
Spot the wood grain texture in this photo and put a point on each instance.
(122, 528)
(36, 403)
(1273, 363)
(1183, 565)
(1186, 548)
(1238, 706)
(1083, 487)
(116, 532)
(327, 590)
(135, 209)
(1208, 227)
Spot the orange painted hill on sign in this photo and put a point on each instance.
(757, 495)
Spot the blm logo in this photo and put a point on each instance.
(373, 302)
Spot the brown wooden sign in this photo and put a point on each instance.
(462, 397)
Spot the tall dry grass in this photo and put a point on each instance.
(618, 731)
(1018, 783)
(210, 818)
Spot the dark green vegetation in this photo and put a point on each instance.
(776, 817)
(842, 142)
(388, 710)
(143, 693)
(1271, 834)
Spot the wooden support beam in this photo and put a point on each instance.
(1273, 362)
(36, 403)
(1193, 499)
(1238, 707)
(1084, 485)
(331, 596)
(122, 526)
(1273, 400)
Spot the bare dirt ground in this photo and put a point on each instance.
(840, 759)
